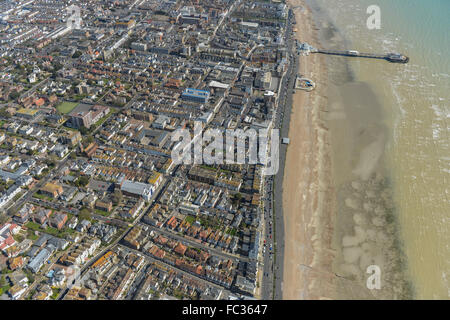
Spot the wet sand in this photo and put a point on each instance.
(307, 198)
(337, 201)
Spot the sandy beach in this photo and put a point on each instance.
(337, 201)
(307, 194)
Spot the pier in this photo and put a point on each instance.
(391, 57)
(306, 49)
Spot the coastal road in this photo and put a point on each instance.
(273, 216)
(273, 264)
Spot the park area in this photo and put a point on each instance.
(66, 107)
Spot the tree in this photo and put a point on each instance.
(89, 139)
(57, 66)
(85, 214)
(82, 181)
(3, 219)
(117, 197)
(84, 130)
(4, 113)
(2, 281)
(236, 198)
(77, 54)
(50, 163)
(14, 95)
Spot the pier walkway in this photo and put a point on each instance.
(306, 49)
(391, 57)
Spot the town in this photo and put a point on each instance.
(92, 205)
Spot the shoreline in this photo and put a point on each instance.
(337, 208)
(307, 201)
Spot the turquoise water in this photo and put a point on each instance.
(415, 99)
(424, 27)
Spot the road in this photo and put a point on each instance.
(152, 259)
(273, 214)
(86, 266)
(27, 197)
(198, 245)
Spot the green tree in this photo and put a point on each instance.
(85, 214)
(57, 66)
(77, 54)
(117, 197)
(88, 140)
(14, 95)
(236, 198)
(2, 281)
(84, 130)
(82, 181)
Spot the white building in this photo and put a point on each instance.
(138, 189)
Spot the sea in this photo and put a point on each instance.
(415, 106)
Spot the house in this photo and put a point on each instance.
(104, 205)
(245, 285)
(38, 261)
(72, 222)
(180, 249)
(85, 115)
(89, 201)
(17, 291)
(17, 277)
(15, 263)
(137, 189)
(53, 190)
(58, 219)
(60, 150)
(6, 235)
(195, 95)
(41, 215)
(27, 113)
(103, 263)
(83, 226)
(69, 192)
(71, 137)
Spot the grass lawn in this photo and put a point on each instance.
(55, 292)
(102, 213)
(231, 231)
(31, 235)
(50, 230)
(42, 197)
(190, 219)
(4, 289)
(66, 107)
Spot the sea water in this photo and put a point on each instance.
(415, 102)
